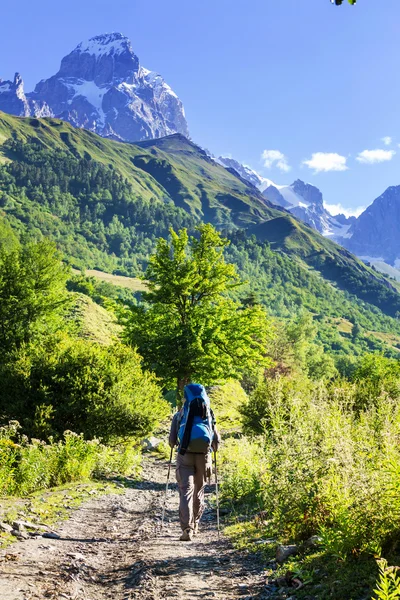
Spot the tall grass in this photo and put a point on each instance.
(320, 466)
(27, 466)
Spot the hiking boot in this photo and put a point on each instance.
(187, 535)
(196, 529)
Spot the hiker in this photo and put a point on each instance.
(193, 430)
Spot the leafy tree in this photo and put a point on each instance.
(190, 328)
(32, 292)
(356, 331)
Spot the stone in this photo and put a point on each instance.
(313, 542)
(6, 528)
(51, 535)
(151, 443)
(76, 556)
(21, 535)
(21, 525)
(284, 552)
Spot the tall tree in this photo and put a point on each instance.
(190, 328)
(32, 292)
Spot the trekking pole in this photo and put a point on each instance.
(166, 488)
(216, 488)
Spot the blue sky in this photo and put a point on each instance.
(318, 85)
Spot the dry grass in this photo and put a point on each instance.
(131, 283)
(388, 338)
(344, 326)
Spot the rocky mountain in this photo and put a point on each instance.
(13, 100)
(102, 87)
(374, 236)
(303, 200)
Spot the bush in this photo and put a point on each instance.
(243, 466)
(81, 386)
(29, 466)
(225, 402)
(327, 468)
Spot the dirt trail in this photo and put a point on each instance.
(112, 547)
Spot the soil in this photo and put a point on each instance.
(114, 547)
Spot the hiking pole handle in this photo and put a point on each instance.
(166, 488)
(216, 490)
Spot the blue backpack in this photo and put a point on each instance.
(196, 427)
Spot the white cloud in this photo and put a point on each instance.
(326, 161)
(275, 158)
(370, 157)
(337, 209)
(387, 140)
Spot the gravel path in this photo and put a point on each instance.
(113, 547)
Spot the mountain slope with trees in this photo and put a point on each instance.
(105, 203)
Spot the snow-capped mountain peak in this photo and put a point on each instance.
(101, 86)
(302, 199)
(107, 43)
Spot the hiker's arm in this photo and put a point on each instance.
(216, 440)
(173, 434)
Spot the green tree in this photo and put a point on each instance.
(356, 331)
(190, 328)
(32, 292)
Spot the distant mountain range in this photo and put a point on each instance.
(374, 236)
(303, 200)
(102, 87)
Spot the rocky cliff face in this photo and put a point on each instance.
(375, 233)
(14, 101)
(101, 86)
(303, 200)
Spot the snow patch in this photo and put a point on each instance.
(91, 92)
(157, 82)
(109, 44)
(336, 230)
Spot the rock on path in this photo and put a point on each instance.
(113, 547)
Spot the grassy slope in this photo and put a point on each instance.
(131, 283)
(93, 322)
(182, 172)
(175, 169)
(335, 263)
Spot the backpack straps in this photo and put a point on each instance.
(188, 428)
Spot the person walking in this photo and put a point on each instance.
(193, 430)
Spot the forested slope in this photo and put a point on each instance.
(105, 203)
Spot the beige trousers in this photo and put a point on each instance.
(192, 471)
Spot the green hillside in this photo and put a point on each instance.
(105, 203)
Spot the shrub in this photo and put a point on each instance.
(388, 585)
(327, 468)
(225, 401)
(27, 466)
(81, 386)
(243, 466)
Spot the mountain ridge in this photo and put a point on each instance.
(124, 194)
